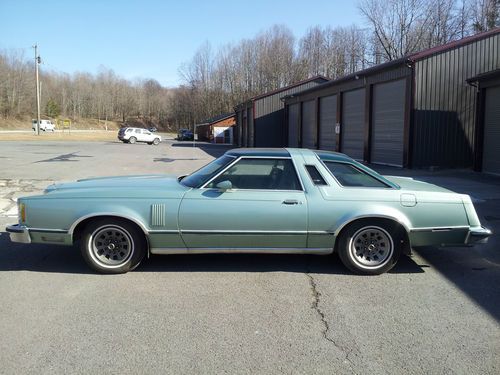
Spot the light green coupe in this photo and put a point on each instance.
(251, 200)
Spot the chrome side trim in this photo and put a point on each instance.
(215, 231)
(78, 221)
(161, 231)
(241, 250)
(439, 229)
(46, 230)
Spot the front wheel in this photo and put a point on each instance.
(132, 140)
(370, 247)
(156, 141)
(113, 246)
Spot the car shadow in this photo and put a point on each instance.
(65, 157)
(170, 160)
(473, 272)
(63, 259)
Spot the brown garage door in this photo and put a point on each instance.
(327, 121)
(491, 146)
(388, 123)
(308, 125)
(293, 125)
(352, 127)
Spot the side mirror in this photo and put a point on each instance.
(224, 186)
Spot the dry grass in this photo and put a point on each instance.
(82, 124)
(60, 136)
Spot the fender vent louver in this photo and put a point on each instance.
(158, 215)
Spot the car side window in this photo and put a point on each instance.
(350, 176)
(138, 131)
(260, 174)
(316, 177)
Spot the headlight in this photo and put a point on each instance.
(22, 213)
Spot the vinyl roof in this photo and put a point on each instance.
(283, 152)
(271, 152)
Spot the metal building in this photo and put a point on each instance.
(218, 129)
(417, 111)
(260, 120)
(487, 156)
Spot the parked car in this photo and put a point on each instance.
(153, 129)
(251, 201)
(133, 135)
(185, 135)
(45, 125)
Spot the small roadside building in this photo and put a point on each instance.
(218, 129)
(438, 107)
(260, 120)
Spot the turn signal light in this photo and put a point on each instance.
(22, 212)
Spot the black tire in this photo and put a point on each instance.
(112, 246)
(132, 140)
(370, 246)
(156, 141)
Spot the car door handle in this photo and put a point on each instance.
(291, 201)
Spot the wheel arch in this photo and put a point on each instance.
(401, 221)
(76, 228)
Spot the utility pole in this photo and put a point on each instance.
(37, 61)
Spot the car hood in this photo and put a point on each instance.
(163, 186)
(408, 183)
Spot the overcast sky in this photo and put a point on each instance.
(149, 38)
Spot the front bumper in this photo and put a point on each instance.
(19, 233)
(478, 235)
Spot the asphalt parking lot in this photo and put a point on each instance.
(437, 312)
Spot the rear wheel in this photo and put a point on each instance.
(112, 245)
(370, 247)
(132, 140)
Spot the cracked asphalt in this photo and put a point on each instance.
(436, 312)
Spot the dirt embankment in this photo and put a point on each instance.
(81, 124)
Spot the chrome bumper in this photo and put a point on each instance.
(478, 235)
(18, 233)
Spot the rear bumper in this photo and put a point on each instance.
(478, 235)
(19, 233)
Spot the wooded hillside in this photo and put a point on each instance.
(215, 80)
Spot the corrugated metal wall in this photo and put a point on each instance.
(329, 95)
(269, 116)
(444, 104)
(327, 120)
(309, 130)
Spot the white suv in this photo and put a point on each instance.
(132, 135)
(45, 125)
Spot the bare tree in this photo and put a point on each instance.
(399, 25)
(486, 14)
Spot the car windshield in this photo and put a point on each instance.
(202, 175)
